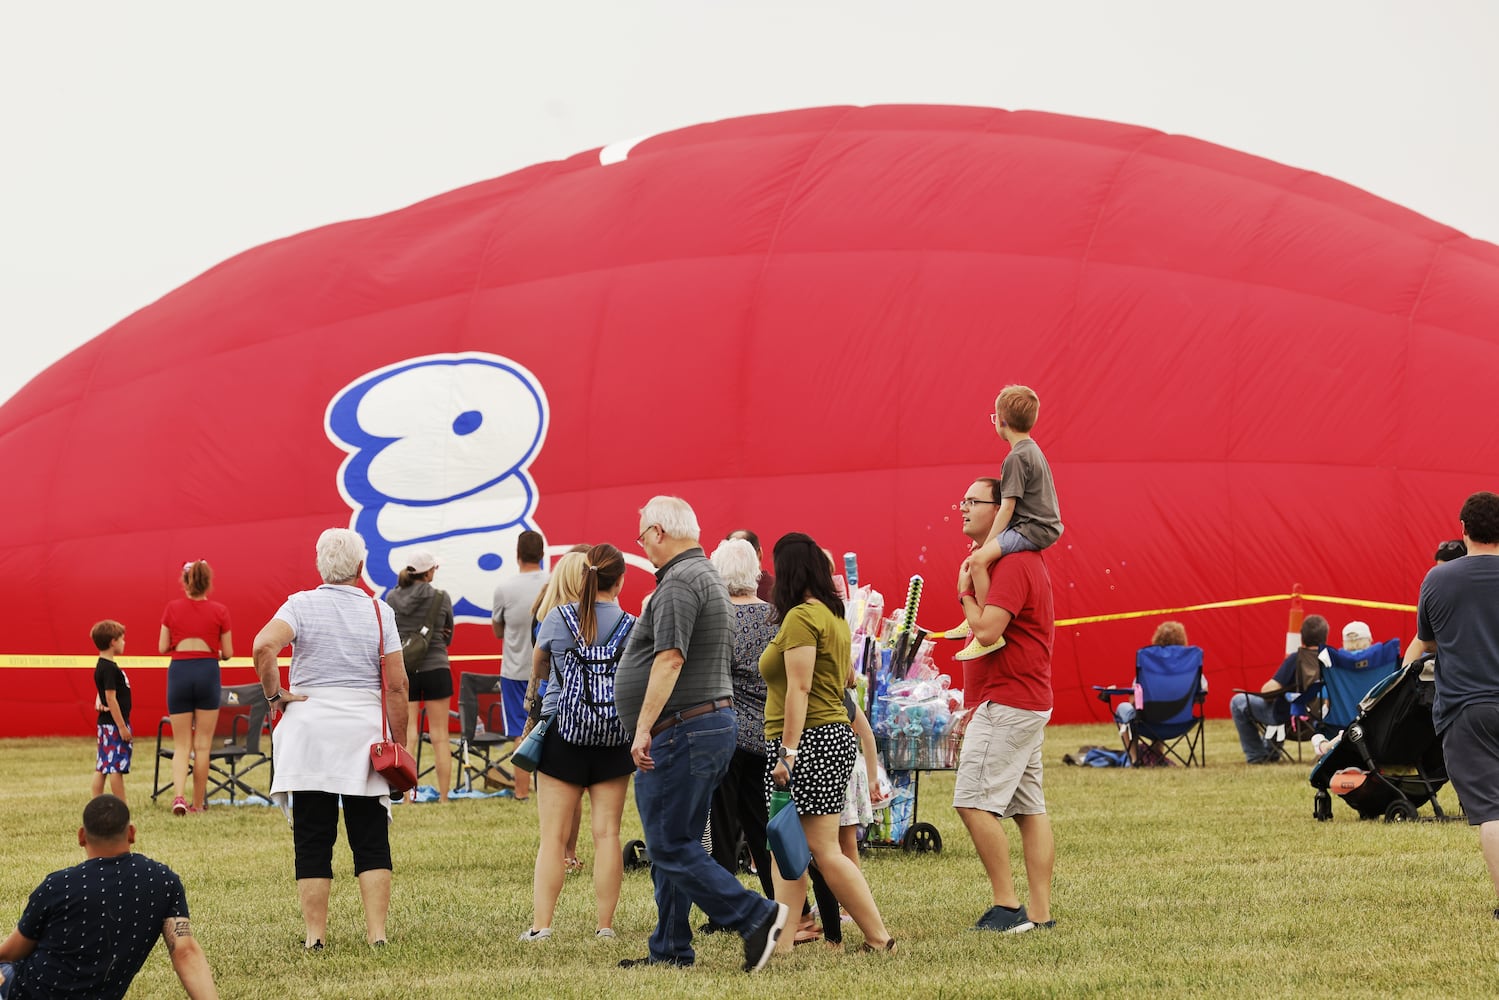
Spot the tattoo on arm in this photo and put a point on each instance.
(176, 927)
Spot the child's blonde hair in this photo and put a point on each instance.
(105, 633)
(1018, 406)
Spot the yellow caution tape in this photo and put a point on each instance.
(160, 662)
(1356, 603)
(39, 662)
(1121, 616)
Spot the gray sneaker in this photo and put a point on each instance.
(536, 935)
(1003, 920)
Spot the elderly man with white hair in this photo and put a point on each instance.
(344, 649)
(1356, 636)
(673, 689)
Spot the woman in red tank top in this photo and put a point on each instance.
(195, 631)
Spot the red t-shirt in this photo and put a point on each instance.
(1019, 674)
(189, 619)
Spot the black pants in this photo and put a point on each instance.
(739, 807)
(314, 828)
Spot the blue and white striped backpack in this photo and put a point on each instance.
(586, 714)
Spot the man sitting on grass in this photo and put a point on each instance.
(87, 930)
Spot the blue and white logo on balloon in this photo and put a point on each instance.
(439, 448)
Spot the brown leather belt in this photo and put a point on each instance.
(663, 725)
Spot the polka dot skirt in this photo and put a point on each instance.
(824, 760)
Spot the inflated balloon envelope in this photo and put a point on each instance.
(1220, 344)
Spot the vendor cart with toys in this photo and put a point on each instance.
(911, 708)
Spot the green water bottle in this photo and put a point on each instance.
(780, 798)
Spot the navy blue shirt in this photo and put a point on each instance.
(94, 925)
(1459, 610)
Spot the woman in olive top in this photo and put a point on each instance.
(809, 743)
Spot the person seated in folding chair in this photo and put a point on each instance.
(1356, 636)
(1258, 716)
(1154, 755)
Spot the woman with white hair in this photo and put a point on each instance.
(739, 802)
(345, 649)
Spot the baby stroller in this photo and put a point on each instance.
(1389, 761)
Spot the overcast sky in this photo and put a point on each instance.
(145, 142)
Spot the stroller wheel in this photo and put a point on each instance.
(1399, 811)
(636, 856)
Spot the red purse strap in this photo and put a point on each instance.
(380, 666)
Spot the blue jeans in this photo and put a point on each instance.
(691, 759)
(1247, 709)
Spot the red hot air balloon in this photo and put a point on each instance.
(1251, 376)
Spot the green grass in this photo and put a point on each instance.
(1169, 883)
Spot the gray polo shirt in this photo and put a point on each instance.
(690, 611)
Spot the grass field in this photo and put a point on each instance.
(1169, 883)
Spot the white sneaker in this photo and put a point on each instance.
(535, 935)
(604, 934)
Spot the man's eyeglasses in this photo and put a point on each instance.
(640, 538)
(967, 502)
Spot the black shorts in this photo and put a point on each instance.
(1471, 746)
(429, 685)
(580, 765)
(193, 686)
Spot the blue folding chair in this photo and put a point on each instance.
(1351, 676)
(1171, 703)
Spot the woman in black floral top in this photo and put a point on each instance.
(739, 802)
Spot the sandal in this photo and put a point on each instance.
(572, 866)
(806, 935)
(889, 947)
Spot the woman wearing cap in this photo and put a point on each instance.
(416, 602)
(195, 632)
(346, 666)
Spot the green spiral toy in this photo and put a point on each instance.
(913, 598)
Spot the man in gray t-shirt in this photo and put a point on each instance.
(512, 623)
(1458, 619)
(673, 689)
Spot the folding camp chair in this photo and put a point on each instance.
(484, 745)
(1305, 698)
(1352, 675)
(1170, 710)
(236, 749)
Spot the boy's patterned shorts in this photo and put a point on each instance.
(114, 753)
